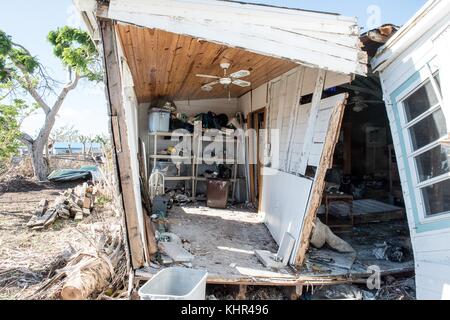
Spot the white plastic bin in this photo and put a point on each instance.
(159, 120)
(175, 283)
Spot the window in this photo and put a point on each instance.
(425, 127)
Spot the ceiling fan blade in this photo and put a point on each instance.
(242, 83)
(240, 74)
(207, 76)
(209, 86)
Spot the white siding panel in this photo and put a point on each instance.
(284, 202)
(259, 97)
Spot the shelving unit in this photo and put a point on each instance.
(154, 157)
(227, 137)
(196, 159)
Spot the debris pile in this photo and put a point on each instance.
(72, 204)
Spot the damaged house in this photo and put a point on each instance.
(305, 188)
(414, 69)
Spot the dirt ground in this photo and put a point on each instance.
(27, 258)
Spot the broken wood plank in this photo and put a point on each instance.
(42, 207)
(326, 162)
(121, 149)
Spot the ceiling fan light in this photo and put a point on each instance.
(225, 81)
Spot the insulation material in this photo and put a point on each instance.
(322, 234)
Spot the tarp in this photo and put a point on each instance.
(83, 173)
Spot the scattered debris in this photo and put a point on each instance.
(72, 204)
(175, 251)
(89, 271)
(336, 292)
(269, 259)
(391, 252)
(397, 289)
(322, 234)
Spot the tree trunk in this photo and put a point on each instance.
(40, 167)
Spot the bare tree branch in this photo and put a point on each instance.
(26, 139)
(28, 85)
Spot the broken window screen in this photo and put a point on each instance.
(420, 101)
(433, 163)
(428, 130)
(436, 198)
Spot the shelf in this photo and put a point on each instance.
(215, 160)
(178, 178)
(214, 139)
(170, 157)
(205, 179)
(170, 134)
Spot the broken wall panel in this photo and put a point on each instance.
(284, 202)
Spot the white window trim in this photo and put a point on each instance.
(426, 74)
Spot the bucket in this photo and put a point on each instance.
(175, 283)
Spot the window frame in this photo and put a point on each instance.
(427, 75)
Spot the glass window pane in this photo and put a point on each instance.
(433, 163)
(436, 198)
(420, 101)
(428, 130)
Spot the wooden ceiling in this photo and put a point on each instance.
(165, 64)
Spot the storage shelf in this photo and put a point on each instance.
(214, 139)
(170, 134)
(178, 178)
(170, 157)
(205, 179)
(215, 160)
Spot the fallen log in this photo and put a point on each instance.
(89, 273)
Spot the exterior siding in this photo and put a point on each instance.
(430, 238)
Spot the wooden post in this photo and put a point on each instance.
(121, 148)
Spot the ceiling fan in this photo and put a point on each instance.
(360, 103)
(226, 80)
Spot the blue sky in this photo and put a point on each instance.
(28, 22)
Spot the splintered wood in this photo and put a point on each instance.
(72, 204)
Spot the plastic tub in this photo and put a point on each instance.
(159, 120)
(175, 283)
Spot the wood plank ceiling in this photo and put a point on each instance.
(164, 64)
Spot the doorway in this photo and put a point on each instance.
(257, 121)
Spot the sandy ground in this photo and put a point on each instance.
(27, 258)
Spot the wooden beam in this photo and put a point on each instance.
(315, 105)
(121, 147)
(326, 162)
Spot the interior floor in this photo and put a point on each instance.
(223, 241)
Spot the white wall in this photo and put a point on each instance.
(285, 194)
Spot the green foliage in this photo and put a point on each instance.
(102, 139)
(77, 51)
(10, 128)
(13, 56)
